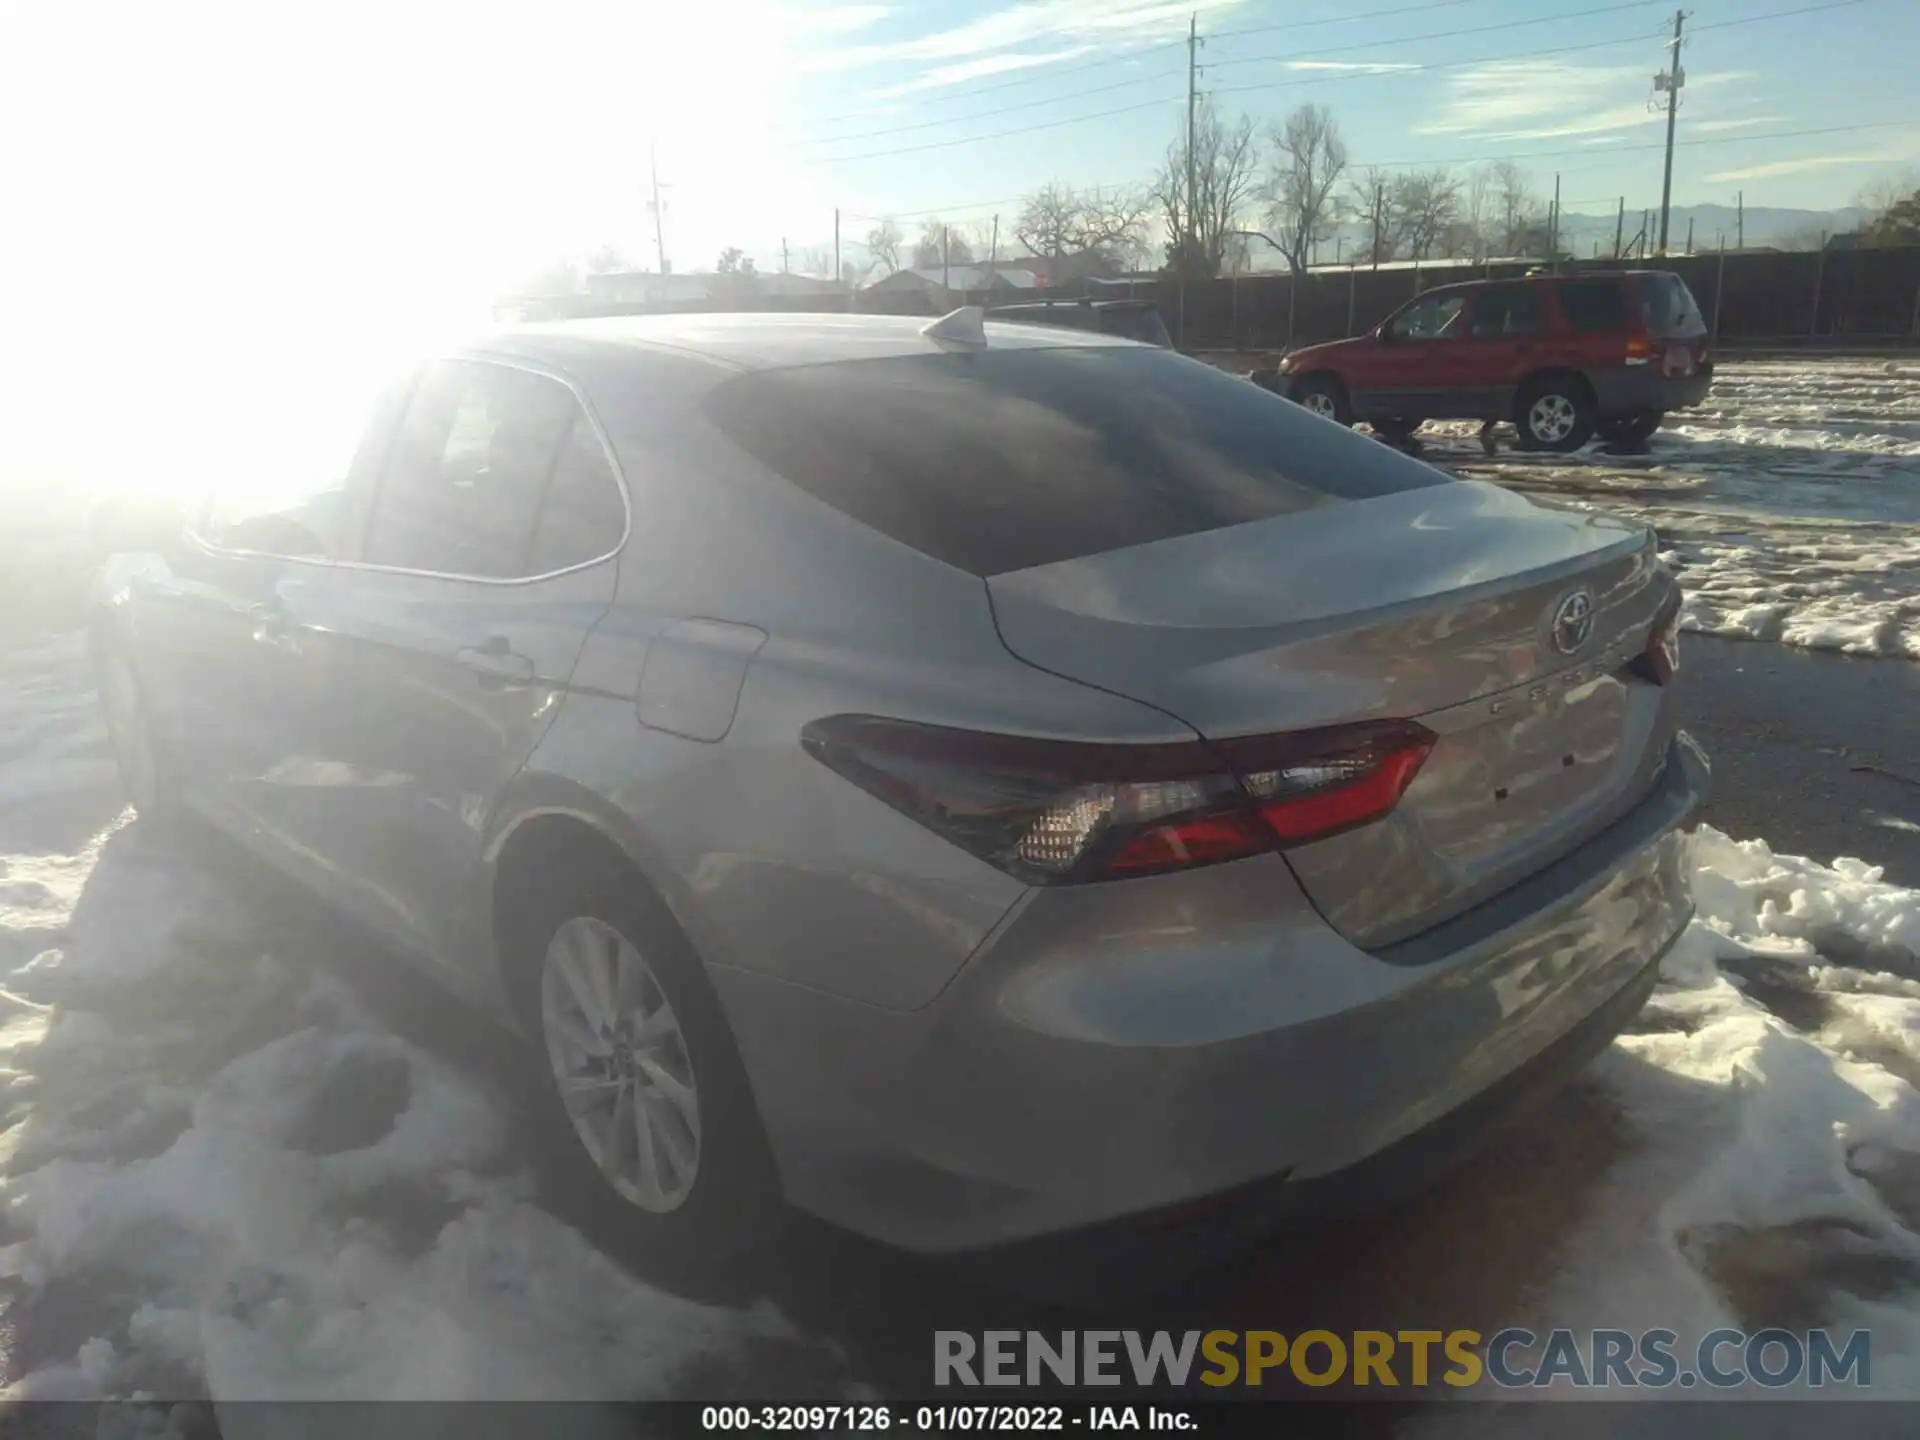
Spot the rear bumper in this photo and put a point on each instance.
(1114, 1051)
(1632, 389)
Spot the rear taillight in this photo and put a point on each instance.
(1057, 812)
(1660, 661)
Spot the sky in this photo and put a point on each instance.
(217, 170)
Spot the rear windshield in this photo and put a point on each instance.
(1000, 460)
(1667, 308)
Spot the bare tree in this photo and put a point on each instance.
(1515, 209)
(606, 260)
(1427, 203)
(883, 244)
(815, 260)
(1371, 201)
(1058, 220)
(1226, 159)
(940, 244)
(1309, 159)
(1477, 213)
(1886, 190)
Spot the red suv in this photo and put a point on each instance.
(1562, 356)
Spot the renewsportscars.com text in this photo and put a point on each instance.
(1510, 1359)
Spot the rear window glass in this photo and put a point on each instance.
(999, 460)
(1666, 305)
(1594, 305)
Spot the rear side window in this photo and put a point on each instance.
(583, 516)
(1501, 310)
(1001, 460)
(1593, 306)
(1667, 308)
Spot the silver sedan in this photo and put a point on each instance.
(969, 781)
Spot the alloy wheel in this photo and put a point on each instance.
(1319, 403)
(1552, 418)
(620, 1064)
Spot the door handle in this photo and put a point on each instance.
(495, 663)
(272, 627)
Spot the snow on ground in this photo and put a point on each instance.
(1789, 502)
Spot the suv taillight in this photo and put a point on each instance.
(1660, 661)
(1055, 812)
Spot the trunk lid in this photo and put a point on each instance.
(1502, 625)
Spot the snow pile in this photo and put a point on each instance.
(1770, 1162)
(246, 1187)
(1790, 502)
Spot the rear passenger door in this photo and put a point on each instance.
(1504, 326)
(447, 642)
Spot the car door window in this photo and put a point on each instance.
(1431, 317)
(584, 515)
(310, 516)
(1504, 311)
(1593, 306)
(461, 489)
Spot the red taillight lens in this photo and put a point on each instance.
(1660, 661)
(1058, 812)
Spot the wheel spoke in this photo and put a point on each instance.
(656, 1027)
(574, 972)
(622, 1143)
(574, 1031)
(681, 1143)
(648, 1176)
(673, 1090)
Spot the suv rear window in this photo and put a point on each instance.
(1593, 306)
(999, 460)
(1667, 307)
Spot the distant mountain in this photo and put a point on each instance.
(1584, 234)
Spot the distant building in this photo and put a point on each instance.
(957, 280)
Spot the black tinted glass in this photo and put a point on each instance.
(1594, 305)
(1506, 310)
(584, 516)
(1002, 460)
(464, 476)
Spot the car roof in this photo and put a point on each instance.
(767, 341)
(1041, 307)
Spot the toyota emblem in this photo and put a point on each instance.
(1573, 622)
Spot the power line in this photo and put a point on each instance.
(1318, 80)
(1133, 80)
(1107, 62)
(1435, 35)
(962, 209)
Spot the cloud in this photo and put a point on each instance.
(1064, 24)
(1363, 67)
(1713, 127)
(1795, 167)
(1553, 100)
(974, 69)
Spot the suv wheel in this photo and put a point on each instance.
(1635, 429)
(1555, 412)
(1326, 397)
(645, 1108)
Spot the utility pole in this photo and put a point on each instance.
(1379, 197)
(945, 276)
(1193, 100)
(1689, 235)
(659, 232)
(783, 254)
(836, 245)
(1553, 226)
(1739, 219)
(1671, 83)
(1619, 227)
(993, 250)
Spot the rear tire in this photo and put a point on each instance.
(657, 1146)
(1325, 396)
(1398, 431)
(1554, 413)
(1630, 430)
(146, 770)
